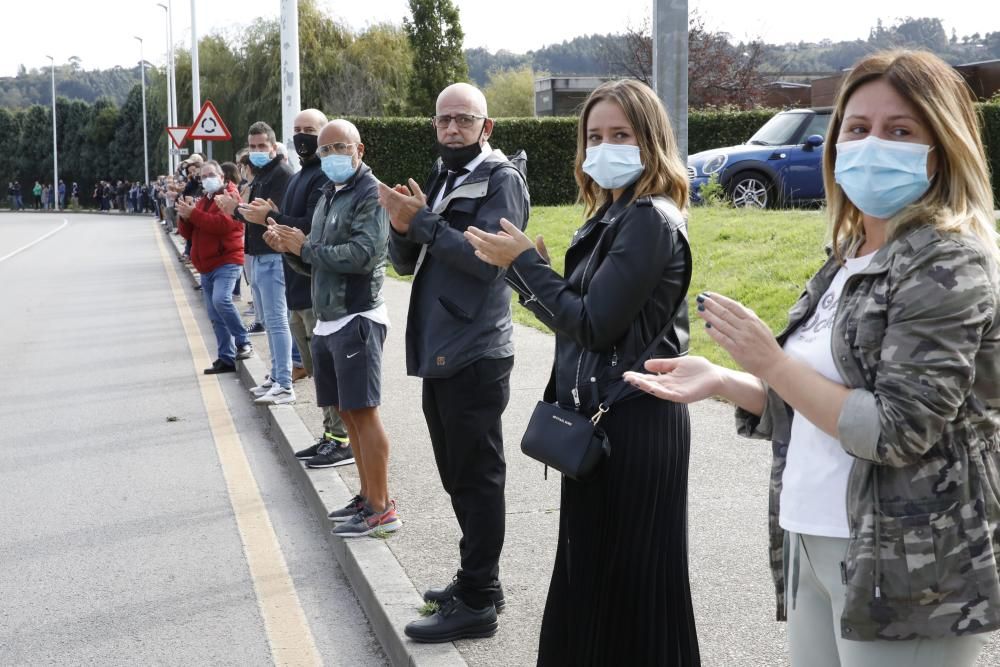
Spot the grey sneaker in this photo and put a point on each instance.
(263, 387)
(331, 455)
(367, 521)
(276, 395)
(355, 505)
(244, 351)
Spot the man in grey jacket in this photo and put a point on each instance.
(345, 253)
(459, 340)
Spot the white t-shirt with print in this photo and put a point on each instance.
(814, 483)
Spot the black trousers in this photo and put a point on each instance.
(463, 416)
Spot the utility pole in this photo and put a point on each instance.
(290, 98)
(195, 77)
(145, 140)
(171, 83)
(670, 65)
(54, 191)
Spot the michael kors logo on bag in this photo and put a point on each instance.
(562, 421)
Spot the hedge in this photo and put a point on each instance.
(401, 148)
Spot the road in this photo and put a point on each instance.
(134, 528)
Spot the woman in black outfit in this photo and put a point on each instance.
(619, 592)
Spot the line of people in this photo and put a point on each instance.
(883, 391)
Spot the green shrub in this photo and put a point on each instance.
(712, 193)
(991, 139)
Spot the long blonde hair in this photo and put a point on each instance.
(959, 199)
(663, 172)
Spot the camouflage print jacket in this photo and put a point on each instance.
(917, 338)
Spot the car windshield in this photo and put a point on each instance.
(779, 131)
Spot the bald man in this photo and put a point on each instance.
(345, 255)
(459, 340)
(302, 193)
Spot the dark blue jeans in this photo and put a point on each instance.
(217, 286)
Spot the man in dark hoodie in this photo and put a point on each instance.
(271, 174)
(304, 190)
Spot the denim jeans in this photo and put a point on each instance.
(217, 286)
(269, 284)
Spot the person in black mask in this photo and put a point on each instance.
(301, 195)
(459, 340)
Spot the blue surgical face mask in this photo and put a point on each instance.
(259, 158)
(613, 166)
(881, 177)
(211, 184)
(338, 168)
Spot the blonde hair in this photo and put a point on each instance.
(959, 199)
(663, 172)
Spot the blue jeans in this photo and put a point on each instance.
(269, 284)
(217, 286)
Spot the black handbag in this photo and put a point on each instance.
(570, 441)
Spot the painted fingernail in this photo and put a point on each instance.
(708, 325)
(701, 306)
(700, 298)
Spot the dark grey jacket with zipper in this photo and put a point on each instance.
(459, 305)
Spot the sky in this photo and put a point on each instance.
(100, 32)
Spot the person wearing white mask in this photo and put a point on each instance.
(217, 252)
(882, 394)
(619, 592)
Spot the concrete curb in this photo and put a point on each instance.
(384, 590)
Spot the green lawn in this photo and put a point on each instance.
(760, 258)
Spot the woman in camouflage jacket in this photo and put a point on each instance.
(911, 399)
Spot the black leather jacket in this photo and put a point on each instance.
(627, 275)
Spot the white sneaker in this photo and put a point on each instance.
(277, 395)
(263, 387)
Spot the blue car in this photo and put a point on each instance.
(781, 164)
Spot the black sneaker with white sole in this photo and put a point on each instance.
(331, 455)
(309, 452)
(244, 351)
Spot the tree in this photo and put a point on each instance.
(511, 93)
(435, 35)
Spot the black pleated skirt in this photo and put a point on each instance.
(620, 593)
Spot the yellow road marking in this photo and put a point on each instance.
(288, 632)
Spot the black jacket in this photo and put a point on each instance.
(459, 305)
(268, 183)
(628, 270)
(304, 189)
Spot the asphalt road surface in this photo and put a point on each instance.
(123, 539)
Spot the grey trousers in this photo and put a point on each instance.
(814, 619)
(302, 323)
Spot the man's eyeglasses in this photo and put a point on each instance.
(337, 148)
(463, 120)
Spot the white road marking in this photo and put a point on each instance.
(36, 241)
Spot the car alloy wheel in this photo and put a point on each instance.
(750, 192)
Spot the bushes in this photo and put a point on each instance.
(400, 148)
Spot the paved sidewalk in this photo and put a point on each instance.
(731, 583)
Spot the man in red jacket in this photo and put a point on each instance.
(217, 252)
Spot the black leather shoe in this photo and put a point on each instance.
(219, 366)
(454, 620)
(442, 595)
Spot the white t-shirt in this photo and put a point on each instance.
(379, 314)
(814, 483)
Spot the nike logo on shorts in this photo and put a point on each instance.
(354, 355)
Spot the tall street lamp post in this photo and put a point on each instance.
(145, 142)
(171, 86)
(54, 192)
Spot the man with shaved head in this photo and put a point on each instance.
(345, 255)
(459, 340)
(302, 193)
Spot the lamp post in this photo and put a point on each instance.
(145, 142)
(54, 192)
(195, 78)
(171, 80)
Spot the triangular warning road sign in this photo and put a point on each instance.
(178, 135)
(208, 125)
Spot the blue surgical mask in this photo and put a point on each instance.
(211, 184)
(259, 158)
(881, 177)
(613, 166)
(338, 168)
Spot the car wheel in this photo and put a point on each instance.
(751, 189)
